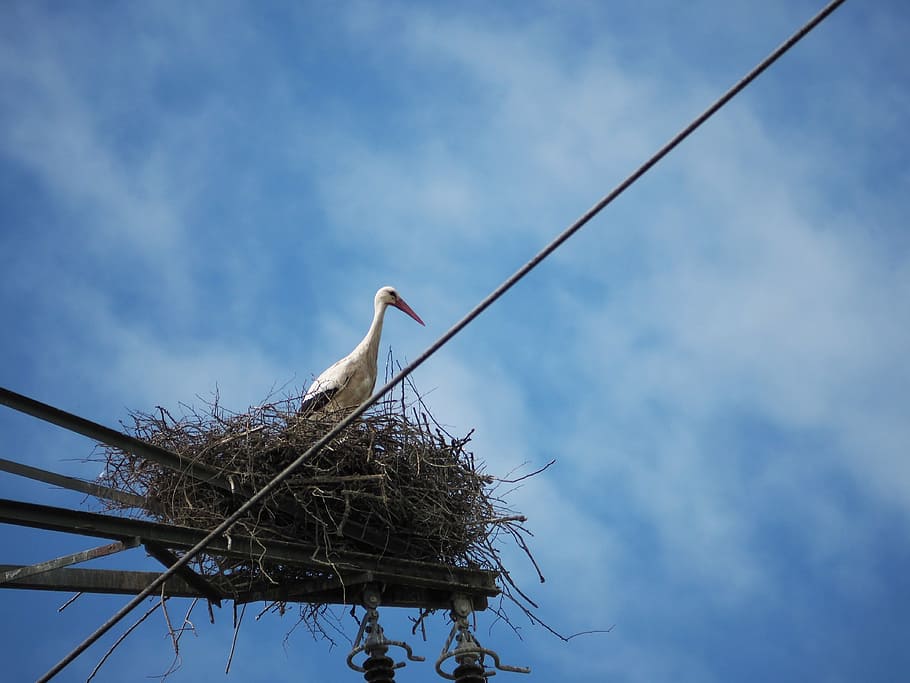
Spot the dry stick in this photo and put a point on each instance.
(499, 520)
(69, 602)
(524, 546)
(268, 608)
(170, 629)
(176, 636)
(237, 623)
(527, 476)
(186, 619)
(123, 637)
(455, 329)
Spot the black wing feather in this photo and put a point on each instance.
(317, 401)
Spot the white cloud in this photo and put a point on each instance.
(760, 306)
(721, 289)
(763, 307)
(54, 132)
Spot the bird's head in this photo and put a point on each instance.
(388, 296)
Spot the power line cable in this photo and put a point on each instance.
(455, 329)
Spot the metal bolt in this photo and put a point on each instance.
(461, 605)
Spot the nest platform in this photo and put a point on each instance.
(395, 500)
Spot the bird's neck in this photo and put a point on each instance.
(369, 346)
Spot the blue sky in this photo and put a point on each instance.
(207, 196)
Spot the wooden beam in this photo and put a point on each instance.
(308, 556)
(98, 581)
(66, 560)
(112, 437)
(169, 559)
(73, 484)
(113, 582)
(348, 590)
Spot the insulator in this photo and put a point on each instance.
(379, 669)
(469, 672)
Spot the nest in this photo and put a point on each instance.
(393, 484)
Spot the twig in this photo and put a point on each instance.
(237, 623)
(70, 601)
(170, 629)
(500, 520)
(123, 637)
(527, 476)
(524, 546)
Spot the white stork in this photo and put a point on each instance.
(350, 381)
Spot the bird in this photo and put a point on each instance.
(350, 381)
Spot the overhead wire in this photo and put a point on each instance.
(455, 329)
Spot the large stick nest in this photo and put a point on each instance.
(396, 475)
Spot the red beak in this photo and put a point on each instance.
(401, 305)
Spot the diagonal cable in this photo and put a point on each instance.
(455, 329)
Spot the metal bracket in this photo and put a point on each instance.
(468, 652)
(376, 644)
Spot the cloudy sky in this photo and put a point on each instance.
(206, 195)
